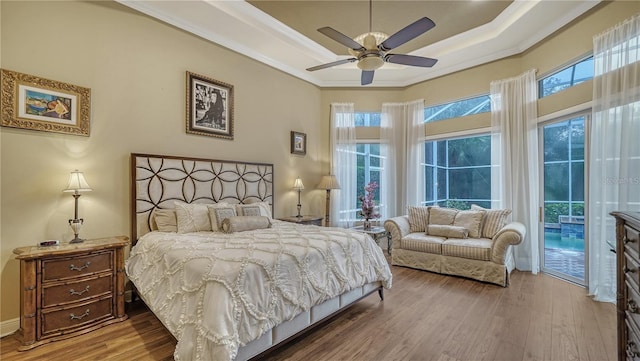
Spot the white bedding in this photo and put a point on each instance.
(215, 291)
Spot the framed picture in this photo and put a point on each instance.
(298, 143)
(31, 102)
(209, 107)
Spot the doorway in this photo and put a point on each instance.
(563, 247)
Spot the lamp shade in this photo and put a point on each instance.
(297, 185)
(329, 182)
(77, 183)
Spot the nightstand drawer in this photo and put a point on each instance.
(73, 267)
(55, 322)
(75, 291)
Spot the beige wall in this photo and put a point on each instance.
(135, 68)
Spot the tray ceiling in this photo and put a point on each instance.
(283, 34)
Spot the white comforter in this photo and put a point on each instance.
(215, 291)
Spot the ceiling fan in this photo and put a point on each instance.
(372, 52)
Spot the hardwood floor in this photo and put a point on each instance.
(424, 316)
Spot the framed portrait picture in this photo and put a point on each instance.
(209, 107)
(31, 102)
(298, 143)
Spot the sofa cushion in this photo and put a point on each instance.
(494, 220)
(471, 248)
(471, 220)
(442, 216)
(447, 231)
(421, 242)
(418, 218)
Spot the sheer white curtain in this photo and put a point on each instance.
(514, 158)
(343, 164)
(614, 162)
(402, 133)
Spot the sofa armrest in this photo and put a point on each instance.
(511, 234)
(398, 227)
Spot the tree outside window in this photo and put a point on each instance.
(458, 172)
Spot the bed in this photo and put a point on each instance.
(236, 295)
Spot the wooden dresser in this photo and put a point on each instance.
(628, 284)
(70, 289)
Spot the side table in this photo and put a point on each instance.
(70, 289)
(313, 220)
(376, 233)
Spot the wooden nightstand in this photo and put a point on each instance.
(317, 221)
(70, 289)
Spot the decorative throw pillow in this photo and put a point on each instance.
(447, 231)
(442, 216)
(494, 220)
(192, 217)
(249, 211)
(264, 207)
(165, 220)
(245, 223)
(418, 218)
(471, 220)
(218, 212)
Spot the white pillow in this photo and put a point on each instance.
(471, 220)
(219, 212)
(192, 217)
(254, 209)
(165, 220)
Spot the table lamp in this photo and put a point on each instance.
(77, 184)
(328, 182)
(297, 185)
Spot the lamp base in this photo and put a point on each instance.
(76, 240)
(76, 224)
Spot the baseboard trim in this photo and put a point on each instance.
(9, 326)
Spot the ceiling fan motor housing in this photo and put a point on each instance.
(370, 60)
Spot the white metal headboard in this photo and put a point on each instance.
(159, 180)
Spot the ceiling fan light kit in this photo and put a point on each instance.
(370, 49)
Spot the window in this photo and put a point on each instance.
(460, 108)
(370, 169)
(458, 172)
(367, 119)
(566, 78)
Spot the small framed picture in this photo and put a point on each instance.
(298, 143)
(209, 107)
(32, 102)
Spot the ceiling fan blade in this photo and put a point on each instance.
(329, 65)
(367, 77)
(410, 60)
(407, 33)
(341, 38)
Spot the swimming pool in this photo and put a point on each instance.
(555, 240)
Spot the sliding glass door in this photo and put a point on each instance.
(563, 246)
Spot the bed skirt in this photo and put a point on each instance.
(304, 321)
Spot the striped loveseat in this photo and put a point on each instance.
(476, 243)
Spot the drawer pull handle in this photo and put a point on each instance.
(85, 314)
(633, 306)
(629, 270)
(627, 240)
(86, 289)
(72, 267)
(632, 350)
